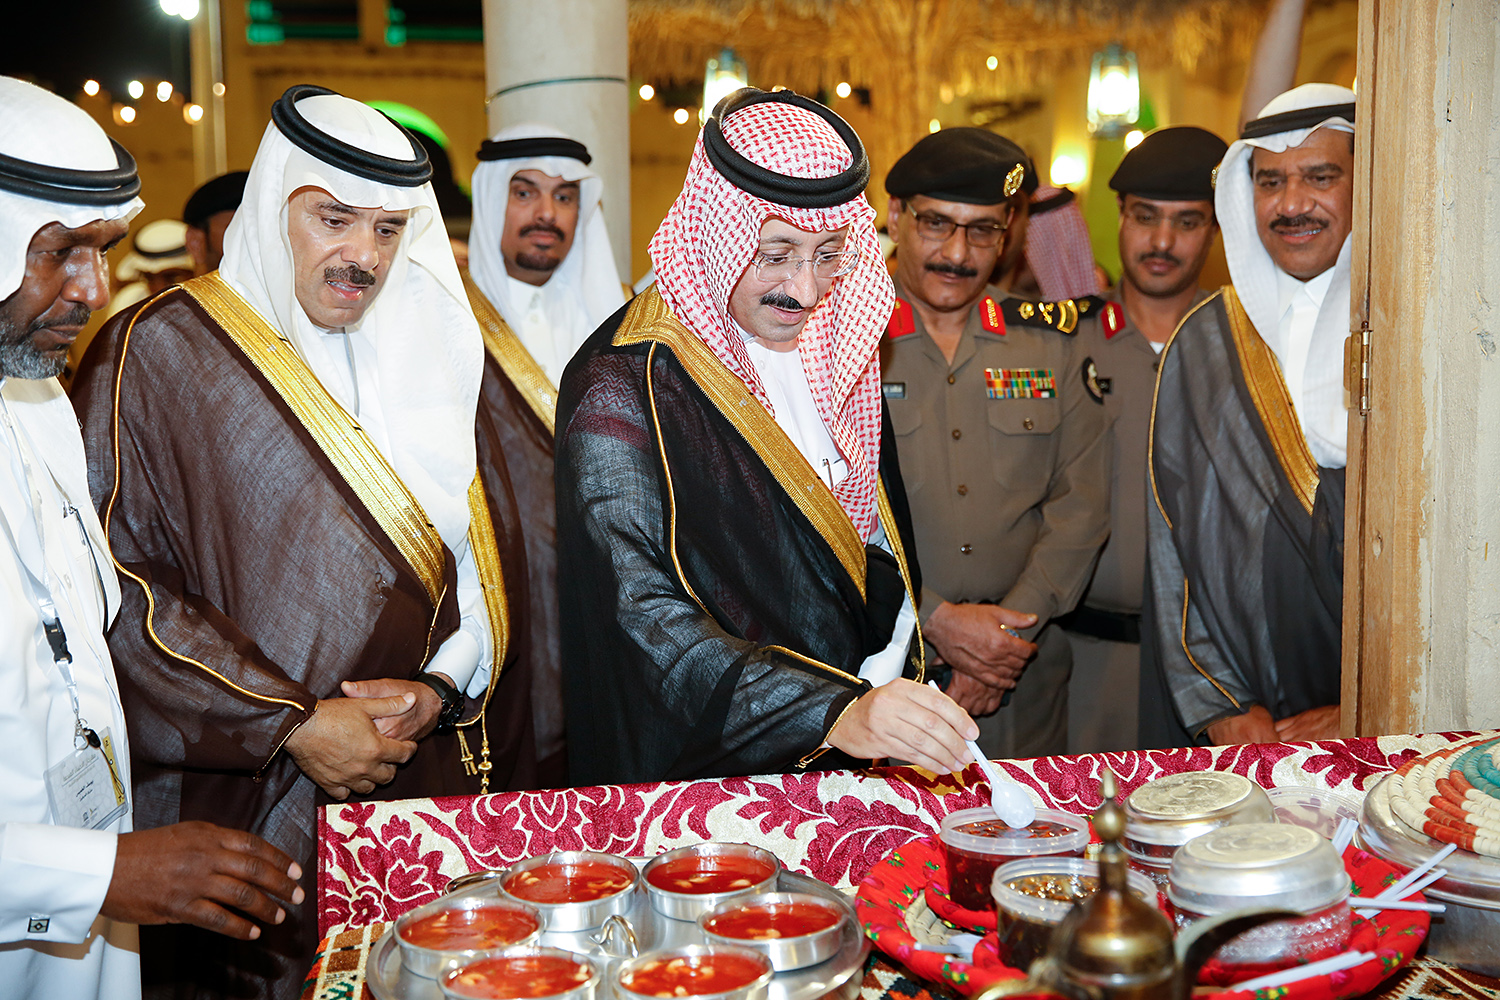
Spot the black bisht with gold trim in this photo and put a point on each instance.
(712, 624)
(1245, 557)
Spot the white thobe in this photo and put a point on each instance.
(466, 656)
(1317, 394)
(550, 323)
(54, 878)
(796, 413)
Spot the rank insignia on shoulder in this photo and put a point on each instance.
(1020, 383)
(1114, 319)
(893, 390)
(1097, 387)
(990, 316)
(1061, 316)
(902, 322)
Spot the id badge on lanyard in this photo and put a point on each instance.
(84, 787)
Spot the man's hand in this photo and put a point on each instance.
(412, 724)
(972, 638)
(201, 874)
(341, 750)
(1255, 726)
(1313, 724)
(909, 721)
(973, 695)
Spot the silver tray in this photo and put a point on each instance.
(840, 977)
(1473, 880)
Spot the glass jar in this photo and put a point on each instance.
(1032, 896)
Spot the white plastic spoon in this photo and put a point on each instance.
(1008, 799)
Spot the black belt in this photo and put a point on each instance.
(1111, 626)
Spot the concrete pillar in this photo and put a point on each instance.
(1422, 553)
(564, 63)
(209, 147)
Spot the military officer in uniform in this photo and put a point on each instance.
(1165, 191)
(1005, 456)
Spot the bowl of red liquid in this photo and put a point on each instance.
(688, 882)
(717, 971)
(445, 934)
(976, 842)
(573, 890)
(529, 972)
(792, 929)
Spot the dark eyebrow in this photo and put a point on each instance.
(392, 220)
(785, 241)
(518, 179)
(1329, 167)
(1269, 172)
(335, 207)
(1188, 213)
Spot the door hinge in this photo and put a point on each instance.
(1357, 367)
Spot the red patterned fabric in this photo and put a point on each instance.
(1058, 250)
(708, 239)
(380, 859)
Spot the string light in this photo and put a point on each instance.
(135, 89)
(647, 91)
(218, 90)
(1068, 169)
(680, 116)
(843, 89)
(934, 125)
(193, 113)
(1133, 138)
(91, 87)
(991, 63)
(127, 114)
(164, 91)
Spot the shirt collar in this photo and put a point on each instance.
(1287, 288)
(522, 292)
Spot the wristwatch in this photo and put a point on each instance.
(452, 698)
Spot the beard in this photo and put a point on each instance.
(537, 260)
(19, 356)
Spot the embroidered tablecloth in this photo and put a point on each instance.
(379, 860)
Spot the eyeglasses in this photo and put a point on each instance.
(939, 227)
(827, 264)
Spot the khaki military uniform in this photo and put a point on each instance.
(1006, 463)
(1105, 631)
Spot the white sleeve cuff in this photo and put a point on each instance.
(55, 880)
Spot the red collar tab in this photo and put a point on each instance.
(990, 316)
(1114, 319)
(902, 322)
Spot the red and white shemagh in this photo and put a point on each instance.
(708, 239)
(1058, 250)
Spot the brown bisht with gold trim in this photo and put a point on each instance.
(1245, 538)
(267, 553)
(713, 591)
(517, 408)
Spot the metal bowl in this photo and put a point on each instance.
(754, 990)
(584, 914)
(691, 905)
(432, 962)
(1164, 814)
(1257, 864)
(784, 952)
(496, 964)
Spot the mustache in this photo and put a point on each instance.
(542, 227)
(76, 316)
(781, 300)
(957, 270)
(349, 274)
(1296, 222)
(1159, 255)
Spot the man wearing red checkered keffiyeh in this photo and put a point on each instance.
(733, 539)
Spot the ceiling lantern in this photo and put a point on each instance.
(1114, 92)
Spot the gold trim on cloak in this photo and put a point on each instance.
(486, 550)
(511, 355)
(648, 320)
(1272, 402)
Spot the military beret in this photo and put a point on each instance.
(1171, 164)
(222, 193)
(971, 165)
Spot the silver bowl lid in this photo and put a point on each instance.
(1257, 864)
(1178, 807)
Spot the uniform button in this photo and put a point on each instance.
(966, 548)
(1028, 423)
(963, 490)
(951, 379)
(957, 433)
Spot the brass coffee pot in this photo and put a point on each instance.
(1115, 945)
